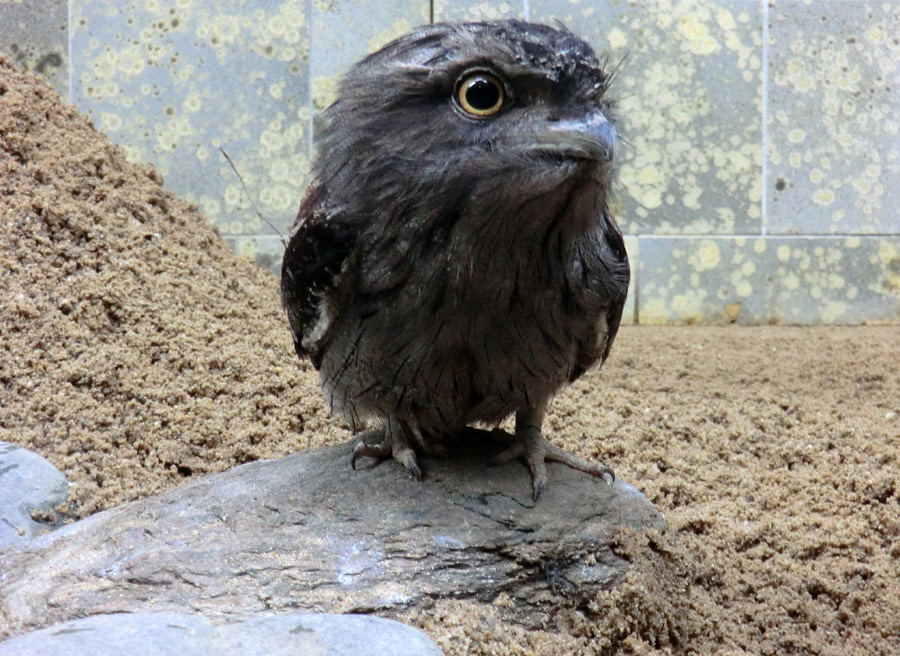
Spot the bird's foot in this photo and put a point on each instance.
(534, 449)
(381, 444)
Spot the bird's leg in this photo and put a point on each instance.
(532, 447)
(388, 441)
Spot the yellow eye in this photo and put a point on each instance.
(480, 94)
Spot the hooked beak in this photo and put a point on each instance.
(591, 137)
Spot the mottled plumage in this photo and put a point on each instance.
(454, 259)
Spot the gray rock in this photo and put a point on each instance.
(306, 533)
(164, 634)
(27, 483)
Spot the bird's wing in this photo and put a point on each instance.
(607, 284)
(315, 259)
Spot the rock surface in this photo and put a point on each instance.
(27, 483)
(164, 634)
(306, 533)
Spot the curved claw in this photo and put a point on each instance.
(534, 449)
(407, 458)
(397, 448)
(598, 469)
(362, 450)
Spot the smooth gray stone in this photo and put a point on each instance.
(307, 533)
(167, 634)
(27, 482)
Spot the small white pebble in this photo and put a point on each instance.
(890, 415)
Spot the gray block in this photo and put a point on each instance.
(690, 108)
(164, 634)
(174, 82)
(27, 482)
(345, 31)
(833, 135)
(35, 34)
(473, 10)
(632, 246)
(789, 280)
(266, 251)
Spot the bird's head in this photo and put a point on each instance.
(483, 113)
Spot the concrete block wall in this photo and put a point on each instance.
(760, 178)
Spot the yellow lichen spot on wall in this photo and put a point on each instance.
(133, 154)
(691, 198)
(852, 242)
(823, 197)
(278, 197)
(784, 252)
(744, 288)
(832, 311)
(271, 139)
(209, 206)
(169, 134)
(484, 11)
(617, 38)
(324, 90)
(889, 257)
(384, 36)
(654, 312)
(111, 122)
(759, 245)
(725, 19)
(275, 90)
(104, 66)
(225, 30)
(130, 62)
(191, 102)
(279, 170)
(689, 305)
(875, 34)
(697, 38)
(706, 256)
(815, 176)
(790, 281)
(862, 186)
(247, 248)
(796, 136)
(650, 199)
(232, 196)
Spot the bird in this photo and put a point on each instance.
(454, 260)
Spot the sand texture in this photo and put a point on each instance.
(136, 351)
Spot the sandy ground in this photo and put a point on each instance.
(136, 351)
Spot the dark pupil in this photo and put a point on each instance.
(482, 94)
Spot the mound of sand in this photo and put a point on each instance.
(135, 349)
